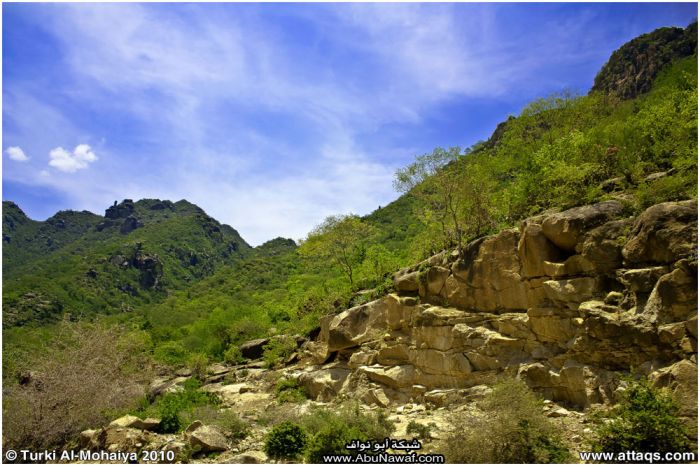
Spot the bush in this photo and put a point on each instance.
(335, 429)
(229, 422)
(171, 353)
(198, 363)
(646, 420)
(285, 441)
(86, 373)
(175, 409)
(278, 350)
(421, 431)
(233, 355)
(513, 429)
(289, 391)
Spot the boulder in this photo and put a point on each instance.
(435, 279)
(124, 439)
(356, 325)
(136, 423)
(553, 325)
(396, 377)
(641, 280)
(601, 247)
(254, 349)
(534, 249)
(206, 439)
(250, 457)
(572, 292)
(682, 379)
(407, 281)
(663, 234)
(130, 224)
(565, 229)
(324, 384)
(674, 298)
(436, 362)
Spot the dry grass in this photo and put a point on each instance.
(84, 375)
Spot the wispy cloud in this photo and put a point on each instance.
(268, 116)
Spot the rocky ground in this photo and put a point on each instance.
(248, 391)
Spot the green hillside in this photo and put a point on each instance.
(195, 286)
(84, 264)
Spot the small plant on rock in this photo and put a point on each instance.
(289, 391)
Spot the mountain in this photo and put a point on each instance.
(82, 263)
(631, 69)
(568, 260)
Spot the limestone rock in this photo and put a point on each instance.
(675, 295)
(136, 423)
(601, 247)
(682, 379)
(250, 457)
(570, 293)
(435, 279)
(395, 377)
(534, 249)
(324, 384)
(206, 439)
(407, 281)
(356, 325)
(664, 233)
(552, 324)
(565, 228)
(254, 349)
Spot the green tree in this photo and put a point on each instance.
(341, 240)
(454, 195)
(646, 420)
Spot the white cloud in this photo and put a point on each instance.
(64, 161)
(16, 153)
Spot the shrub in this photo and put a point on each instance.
(230, 423)
(175, 409)
(421, 431)
(285, 441)
(646, 420)
(233, 355)
(513, 429)
(278, 350)
(171, 353)
(85, 373)
(335, 429)
(289, 390)
(198, 363)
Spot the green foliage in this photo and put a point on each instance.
(646, 420)
(175, 409)
(339, 240)
(454, 196)
(513, 429)
(285, 441)
(278, 350)
(333, 429)
(289, 391)
(233, 355)
(421, 431)
(198, 363)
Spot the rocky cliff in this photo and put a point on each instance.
(568, 302)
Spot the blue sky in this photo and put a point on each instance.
(273, 116)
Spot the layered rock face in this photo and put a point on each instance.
(568, 302)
